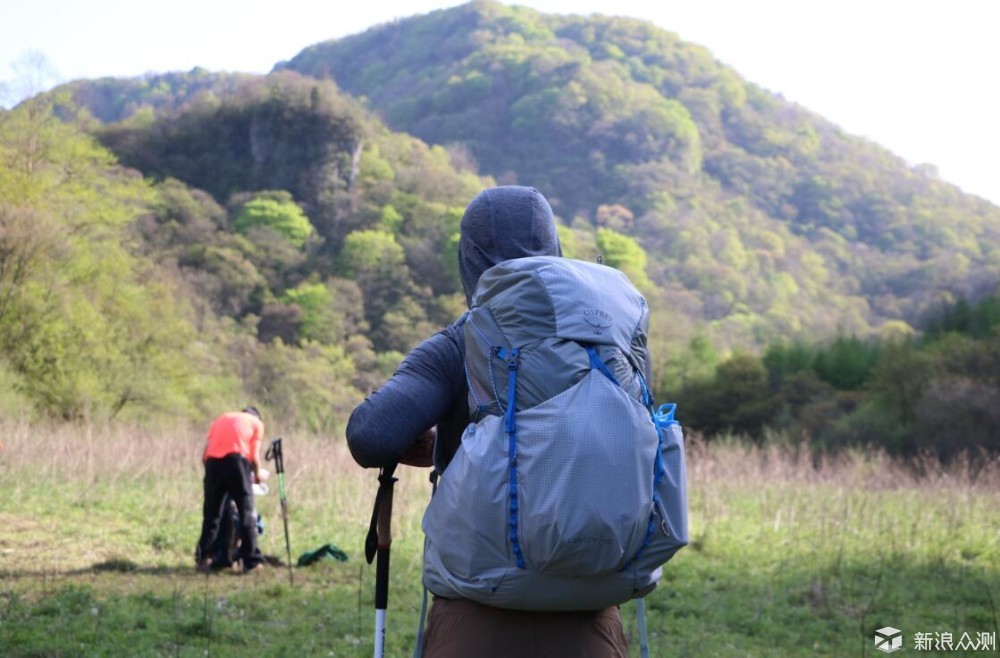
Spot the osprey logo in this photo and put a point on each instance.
(579, 539)
(598, 319)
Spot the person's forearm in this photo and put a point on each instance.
(382, 429)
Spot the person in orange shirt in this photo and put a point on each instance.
(232, 464)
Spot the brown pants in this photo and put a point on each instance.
(459, 628)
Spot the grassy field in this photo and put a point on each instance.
(789, 556)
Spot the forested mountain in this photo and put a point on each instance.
(268, 241)
(759, 216)
(114, 99)
(177, 242)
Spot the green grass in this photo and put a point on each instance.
(788, 557)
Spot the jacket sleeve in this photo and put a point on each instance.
(421, 392)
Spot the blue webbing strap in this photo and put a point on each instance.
(597, 364)
(510, 427)
(647, 397)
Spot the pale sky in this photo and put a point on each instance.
(916, 76)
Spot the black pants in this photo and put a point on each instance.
(229, 475)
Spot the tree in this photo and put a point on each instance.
(320, 320)
(307, 387)
(784, 360)
(377, 262)
(26, 241)
(741, 384)
(898, 380)
(624, 253)
(736, 400)
(371, 254)
(847, 363)
(89, 326)
(281, 215)
(33, 74)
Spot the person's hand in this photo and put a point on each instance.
(421, 453)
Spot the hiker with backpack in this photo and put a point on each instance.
(232, 466)
(516, 566)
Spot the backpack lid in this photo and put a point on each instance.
(563, 298)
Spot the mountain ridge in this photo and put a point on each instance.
(313, 233)
(782, 161)
(709, 168)
(753, 218)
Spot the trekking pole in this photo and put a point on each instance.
(274, 453)
(377, 544)
(640, 622)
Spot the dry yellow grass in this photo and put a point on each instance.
(84, 465)
(784, 544)
(61, 484)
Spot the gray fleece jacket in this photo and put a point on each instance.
(429, 388)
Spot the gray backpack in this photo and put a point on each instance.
(568, 490)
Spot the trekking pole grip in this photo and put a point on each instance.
(383, 531)
(274, 454)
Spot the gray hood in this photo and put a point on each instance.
(502, 223)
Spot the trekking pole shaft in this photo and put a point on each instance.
(640, 617)
(384, 534)
(381, 599)
(275, 452)
(284, 517)
(379, 633)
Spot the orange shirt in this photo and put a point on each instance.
(237, 432)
